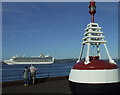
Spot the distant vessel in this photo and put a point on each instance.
(42, 59)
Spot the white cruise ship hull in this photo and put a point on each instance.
(13, 62)
(42, 59)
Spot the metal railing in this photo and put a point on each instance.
(13, 77)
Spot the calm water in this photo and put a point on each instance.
(15, 72)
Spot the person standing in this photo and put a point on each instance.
(26, 76)
(33, 73)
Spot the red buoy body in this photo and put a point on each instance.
(97, 77)
(95, 64)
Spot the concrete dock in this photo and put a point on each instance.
(59, 85)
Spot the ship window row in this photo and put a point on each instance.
(34, 59)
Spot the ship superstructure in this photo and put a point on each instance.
(42, 59)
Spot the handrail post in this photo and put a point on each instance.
(48, 75)
(19, 76)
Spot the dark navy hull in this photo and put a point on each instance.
(81, 88)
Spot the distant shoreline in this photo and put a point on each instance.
(66, 60)
(69, 60)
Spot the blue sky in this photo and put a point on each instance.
(54, 28)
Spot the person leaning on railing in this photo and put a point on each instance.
(33, 73)
(26, 76)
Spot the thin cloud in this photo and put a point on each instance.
(11, 10)
(36, 8)
(108, 8)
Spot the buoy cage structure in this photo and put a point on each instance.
(92, 75)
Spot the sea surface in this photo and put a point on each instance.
(15, 72)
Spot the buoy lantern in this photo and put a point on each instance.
(92, 75)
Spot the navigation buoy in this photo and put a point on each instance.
(91, 74)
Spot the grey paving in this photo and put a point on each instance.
(47, 86)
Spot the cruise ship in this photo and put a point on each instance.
(42, 59)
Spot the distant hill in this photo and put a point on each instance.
(65, 60)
